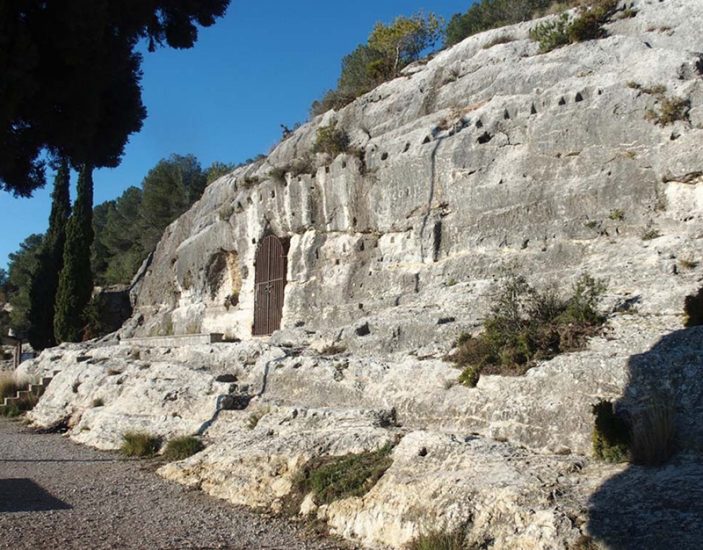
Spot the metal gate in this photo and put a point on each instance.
(270, 284)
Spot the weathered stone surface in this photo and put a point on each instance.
(380, 242)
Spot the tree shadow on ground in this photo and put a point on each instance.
(659, 506)
(24, 495)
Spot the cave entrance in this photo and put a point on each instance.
(270, 283)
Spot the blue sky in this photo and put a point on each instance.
(260, 66)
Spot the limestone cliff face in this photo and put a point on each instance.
(481, 157)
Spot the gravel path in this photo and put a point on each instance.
(57, 494)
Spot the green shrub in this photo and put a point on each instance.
(140, 444)
(654, 434)
(333, 478)
(526, 325)
(181, 448)
(611, 435)
(439, 540)
(331, 140)
(551, 34)
(588, 25)
(469, 376)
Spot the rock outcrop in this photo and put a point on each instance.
(480, 158)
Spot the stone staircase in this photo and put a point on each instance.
(36, 390)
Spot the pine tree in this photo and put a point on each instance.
(76, 279)
(42, 294)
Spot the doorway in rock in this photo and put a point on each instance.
(270, 284)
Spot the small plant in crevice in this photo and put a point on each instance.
(670, 110)
(617, 215)
(651, 234)
(688, 263)
(611, 434)
(331, 478)
(140, 444)
(256, 416)
(331, 140)
(180, 448)
(526, 325)
(98, 402)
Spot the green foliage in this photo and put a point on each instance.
(22, 268)
(469, 376)
(336, 477)
(44, 284)
(551, 34)
(588, 25)
(440, 540)
(331, 140)
(526, 325)
(617, 215)
(71, 78)
(611, 434)
(389, 49)
(216, 170)
(181, 448)
(491, 14)
(128, 228)
(76, 279)
(402, 42)
(140, 444)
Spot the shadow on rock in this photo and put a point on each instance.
(658, 506)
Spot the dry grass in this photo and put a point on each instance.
(10, 384)
(439, 540)
(140, 444)
(654, 434)
(180, 448)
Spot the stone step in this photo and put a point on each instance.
(45, 381)
(10, 401)
(36, 389)
(176, 340)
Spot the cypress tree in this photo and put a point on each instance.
(76, 279)
(42, 293)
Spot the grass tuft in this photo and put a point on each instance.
(140, 444)
(180, 448)
(654, 435)
(332, 478)
(439, 540)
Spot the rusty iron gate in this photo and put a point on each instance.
(270, 284)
